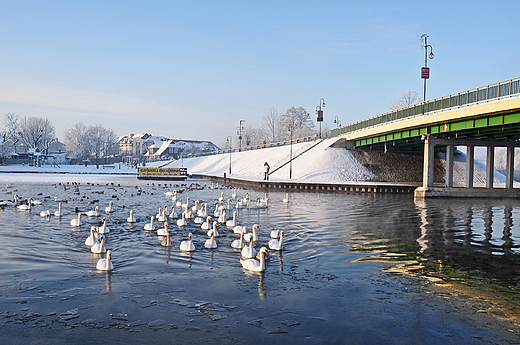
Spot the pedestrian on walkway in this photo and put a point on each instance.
(266, 173)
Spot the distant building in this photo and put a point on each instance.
(177, 148)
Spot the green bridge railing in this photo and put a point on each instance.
(496, 91)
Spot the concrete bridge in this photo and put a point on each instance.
(487, 116)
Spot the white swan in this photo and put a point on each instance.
(255, 265)
(108, 209)
(163, 216)
(103, 228)
(248, 252)
(238, 244)
(222, 218)
(76, 221)
(174, 197)
(25, 207)
(58, 213)
(168, 193)
(187, 204)
(232, 223)
(234, 195)
(286, 199)
(179, 203)
(173, 214)
(187, 246)
(105, 264)
(45, 213)
(163, 231)
(93, 238)
(275, 233)
(195, 208)
(214, 232)
(94, 213)
(182, 221)
(36, 202)
(99, 246)
(274, 244)
(252, 236)
(166, 242)
(149, 226)
(131, 219)
(211, 243)
(158, 213)
(203, 211)
(206, 225)
(240, 229)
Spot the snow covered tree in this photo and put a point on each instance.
(76, 140)
(84, 142)
(272, 128)
(11, 122)
(300, 120)
(98, 138)
(37, 132)
(405, 99)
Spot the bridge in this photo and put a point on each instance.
(487, 116)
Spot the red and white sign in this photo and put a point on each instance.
(425, 72)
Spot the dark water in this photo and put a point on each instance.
(319, 289)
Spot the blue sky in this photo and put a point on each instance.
(193, 69)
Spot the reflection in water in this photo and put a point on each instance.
(108, 280)
(280, 262)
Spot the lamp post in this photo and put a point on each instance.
(319, 111)
(337, 121)
(425, 71)
(229, 143)
(290, 131)
(239, 133)
(181, 148)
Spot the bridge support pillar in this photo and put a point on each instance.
(510, 166)
(470, 165)
(449, 165)
(490, 166)
(429, 150)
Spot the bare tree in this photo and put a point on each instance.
(11, 122)
(76, 140)
(99, 138)
(405, 99)
(300, 121)
(37, 132)
(92, 141)
(272, 126)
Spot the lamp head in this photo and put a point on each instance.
(431, 55)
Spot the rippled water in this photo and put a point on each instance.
(314, 290)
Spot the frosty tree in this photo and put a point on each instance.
(405, 99)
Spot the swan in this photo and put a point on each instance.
(45, 213)
(168, 193)
(36, 202)
(105, 264)
(214, 232)
(108, 209)
(222, 218)
(149, 226)
(187, 246)
(178, 203)
(166, 242)
(103, 228)
(252, 237)
(187, 204)
(238, 244)
(76, 221)
(174, 197)
(131, 219)
(163, 216)
(286, 199)
(205, 225)
(248, 252)
(234, 195)
(163, 231)
(232, 223)
(182, 221)
(173, 214)
(58, 213)
(203, 211)
(158, 213)
(216, 213)
(94, 213)
(211, 243)
(239, 229)
(274, 244)
(10, 203)
(221, 199)
(195, 208)
(99, 246)
(275, 233)
(25, 207)
(93, 238)
(253, 264)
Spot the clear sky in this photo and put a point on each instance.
(193, 69)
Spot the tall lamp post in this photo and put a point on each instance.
(239, 133)
(337, 121)
(229, 143)
(319, 111)
(290, 131)
(425, 71)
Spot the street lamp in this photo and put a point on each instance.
(181, 148)
(290, 131)
(229, 143)
(319, 111)
(239, 133)
(425, 71)
(337, 121)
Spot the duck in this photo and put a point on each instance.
(131, 219)
(214, 232)
(108, 209)
(205, 225)
(76, 221)
(248, 252)
(211, 243)
(231, 223)
(182, 221)
(103, 228)
(25, 207)
(187, 246)
(238, 244)
(58, 213)
(94, 213)
(274, 244)
(99, 246)
(106, 263)
(286, 199)
(149, 226)
(93, 238)
(252, 236)
(163, 231)
(166, 242)
(253, 264)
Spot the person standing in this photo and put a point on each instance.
(266, 173)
